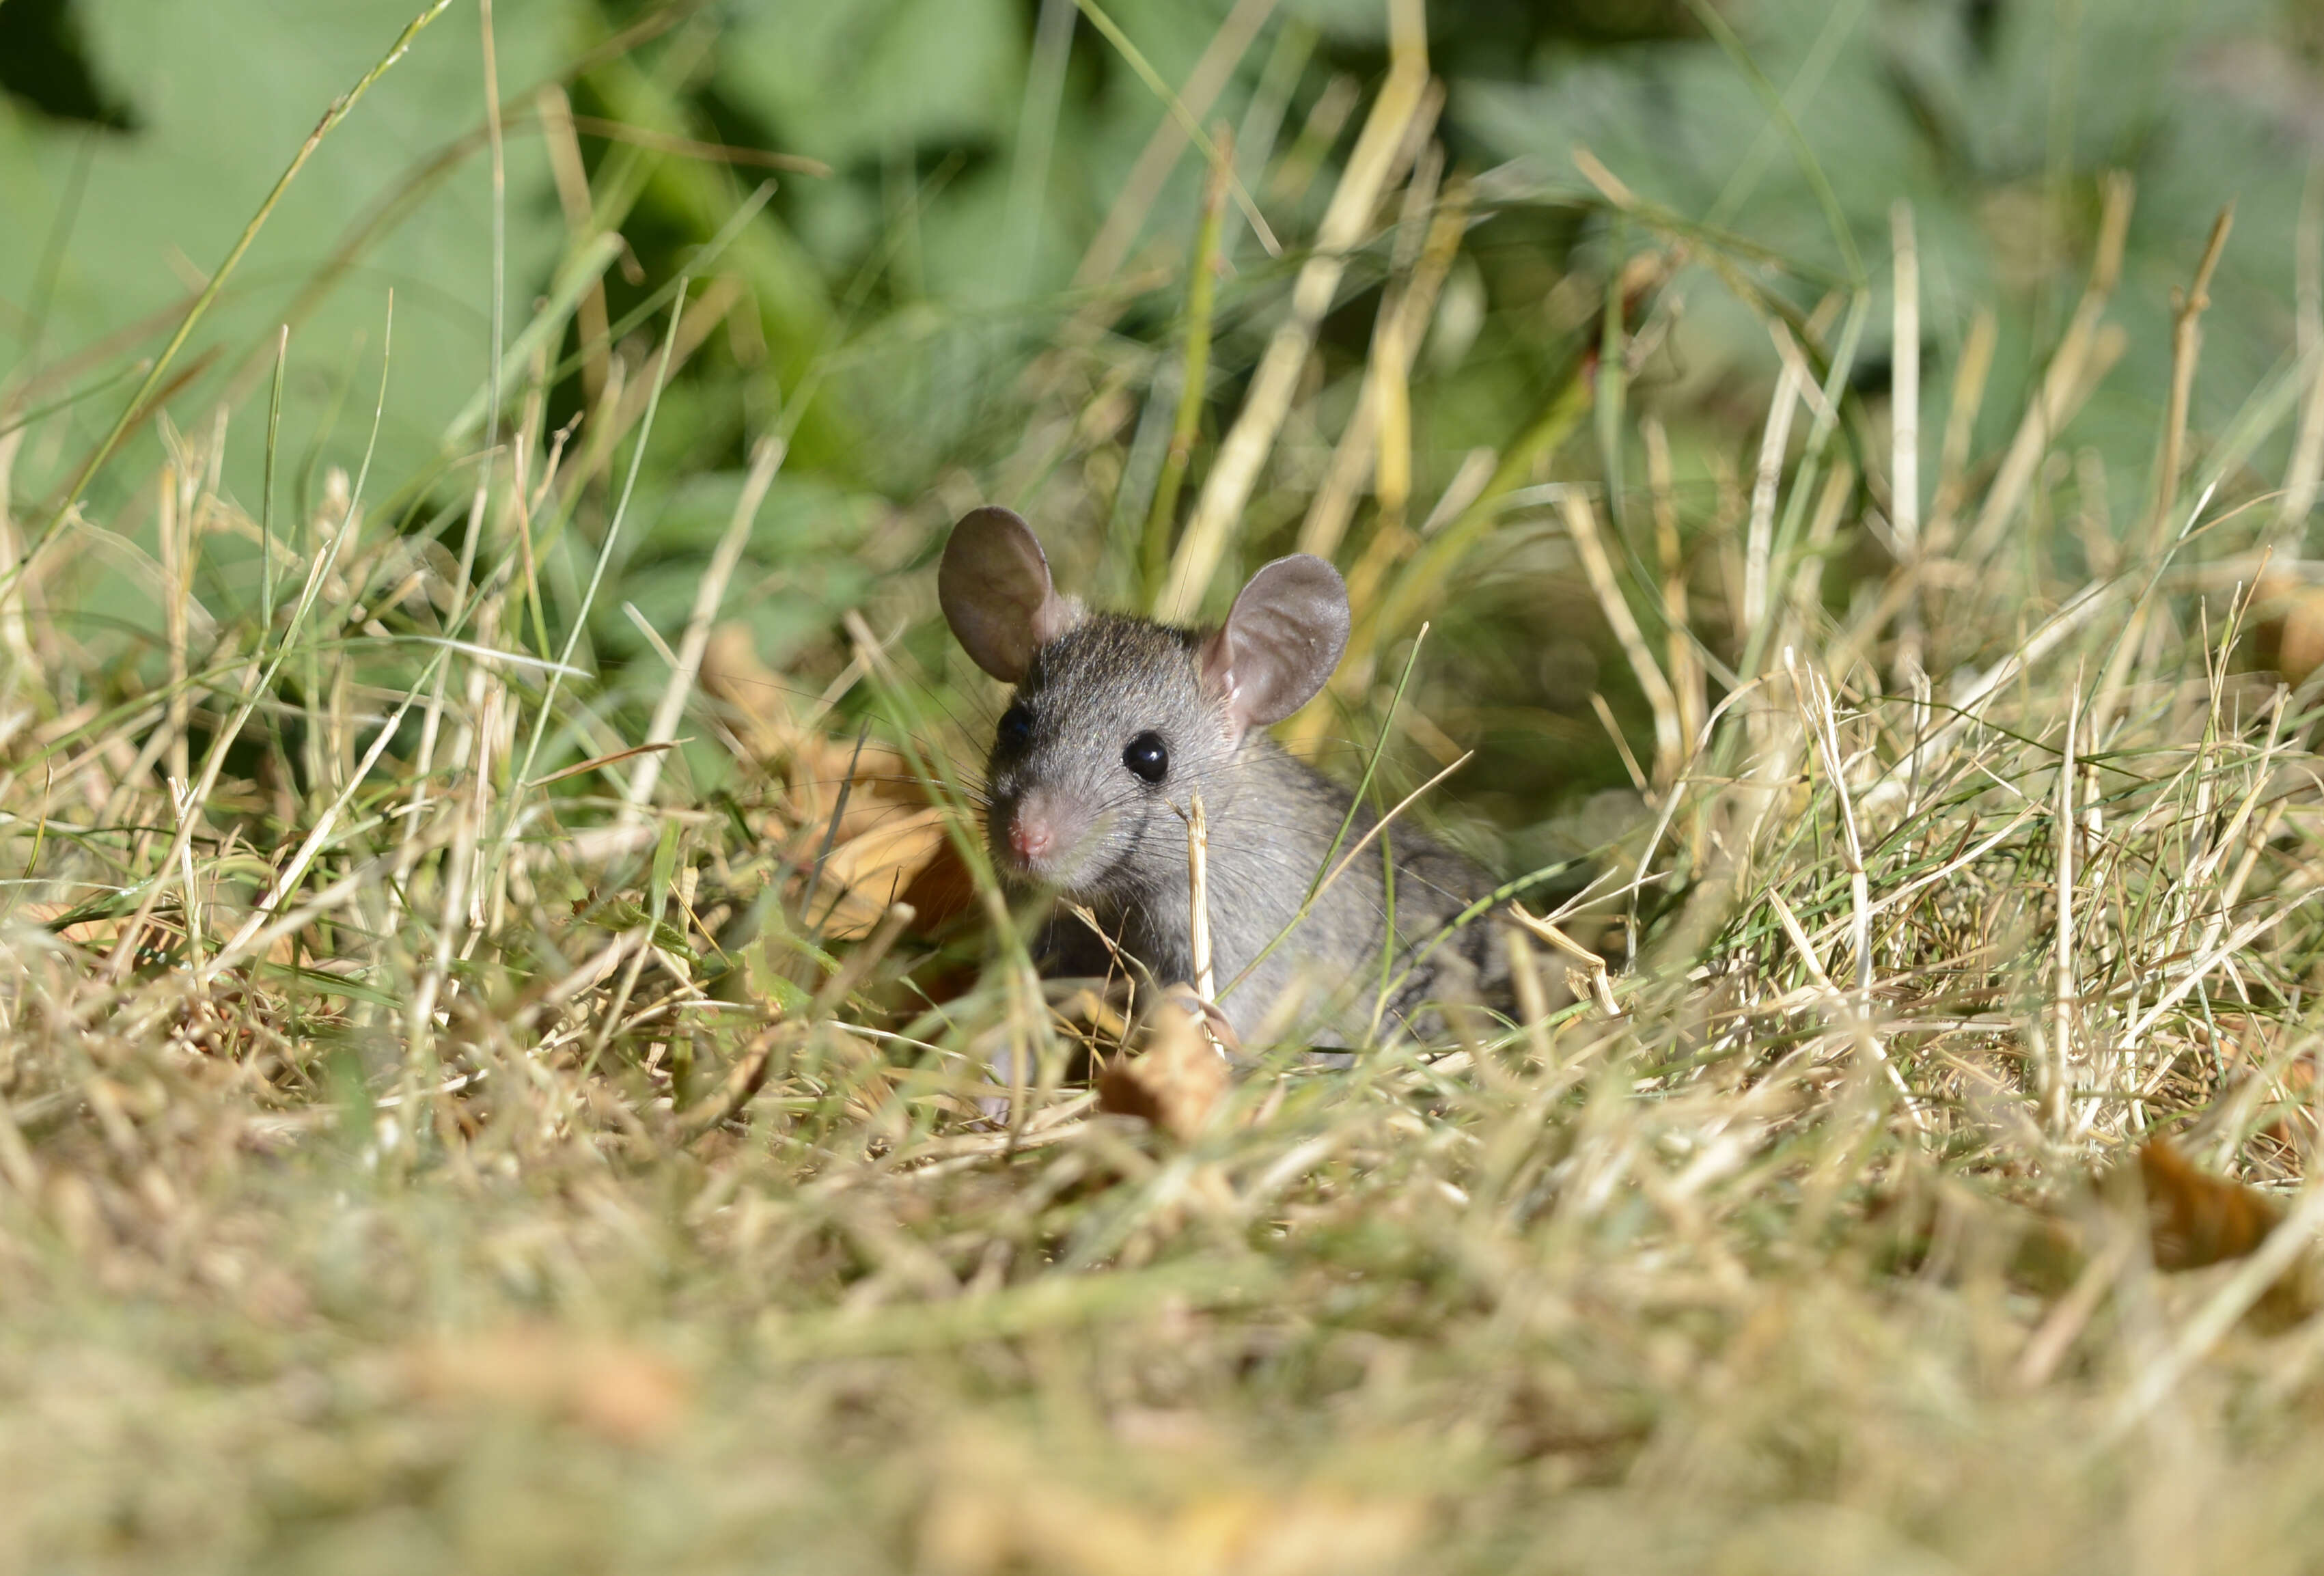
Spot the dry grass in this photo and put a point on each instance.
(436, 1133)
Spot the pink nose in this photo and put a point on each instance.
(1031, 835)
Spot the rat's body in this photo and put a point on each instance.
(1118, 722)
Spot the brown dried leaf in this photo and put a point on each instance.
(1178, 1073)
(866, 872)
(941, 888)
(888, 843)
(2289, 627)
(758, 703)
(2194, 1219)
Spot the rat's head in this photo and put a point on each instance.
(1116, 720)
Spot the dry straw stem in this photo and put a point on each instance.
(492, 394)
(1969, 375)
(1406, 312)
(1319, 132)
(744, 1079)
(1805, 610)
(1820, 717)
(1969, 704)
(572, 177)
(176, 529)
(1109, 247)
(18, 661)
(1905, 431)
(2082, 357)
(1686, 675)
(765, 458)
(1905, 384)
(2308, 266)
(2186, 350)
(1670, 740)
(1194, 371)
(1849, 1010)
(1235, 469)
(2057, 1071)
(1422, 577)
(1392, 409)
(2070, 1314)
(2190, 976)
(1595, 984)
(2306, 471)
(1606, 720)
(310, 594)
(1759, 538)
(697, 321)
(17, 1166)
(1198, 897)
(1188, 118)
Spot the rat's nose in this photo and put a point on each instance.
(1031, 835)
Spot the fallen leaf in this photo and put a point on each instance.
(1175, 1074)
(2194, 1219)
(2288, 627)
(882, 820)
(866, 872)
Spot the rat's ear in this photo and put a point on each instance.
(1280, 642)
(995, 586)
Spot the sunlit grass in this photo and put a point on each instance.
(464, 1101)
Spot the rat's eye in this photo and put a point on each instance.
(1148, 757)
(1016, 731)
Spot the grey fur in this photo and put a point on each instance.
(1108, 678)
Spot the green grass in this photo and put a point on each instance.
(433, 1142)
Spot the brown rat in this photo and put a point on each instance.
(1117, 721)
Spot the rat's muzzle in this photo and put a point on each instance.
(1037, 838)
(1030, 838)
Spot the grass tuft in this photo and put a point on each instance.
(468, 1097)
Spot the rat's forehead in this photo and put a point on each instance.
(1109, 654)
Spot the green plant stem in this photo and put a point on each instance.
(1201, 294)
(266, 506)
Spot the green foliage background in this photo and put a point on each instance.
(1683, 1291)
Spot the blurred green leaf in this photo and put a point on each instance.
(224, 91)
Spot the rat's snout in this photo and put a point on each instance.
(1032, 835)
(1035, 835)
